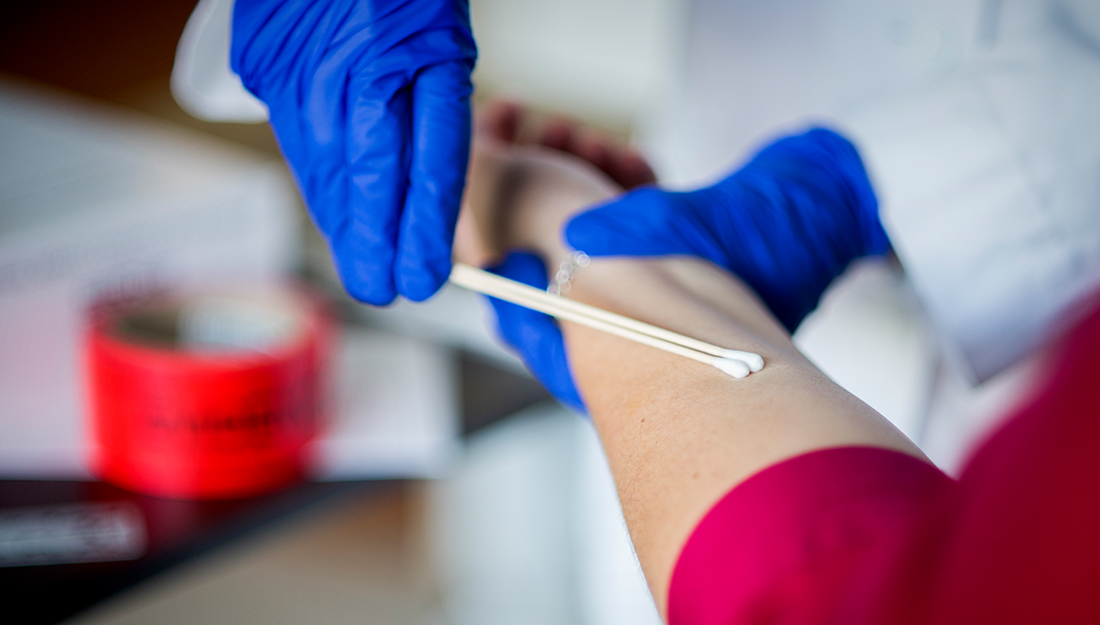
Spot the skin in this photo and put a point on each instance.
(678, 434)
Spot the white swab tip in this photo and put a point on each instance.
(729, 366)
(755, 362)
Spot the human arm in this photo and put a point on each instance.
(787, 223)
(678, 435)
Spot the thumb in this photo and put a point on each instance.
(643, 222)
(534, 335)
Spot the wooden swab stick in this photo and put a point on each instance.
(733, 362)
(754, 361)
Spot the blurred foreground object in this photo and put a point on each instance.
(207, 395)
(202, 82)
(96, 204)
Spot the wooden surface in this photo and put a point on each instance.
(363, 560)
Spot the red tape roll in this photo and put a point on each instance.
(206, 396)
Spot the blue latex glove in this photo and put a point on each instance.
(369, 100)
(787, 223)
(535, 335)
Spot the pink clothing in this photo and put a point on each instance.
(867, 536)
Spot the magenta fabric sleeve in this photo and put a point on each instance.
(806, 540)
(869, 536)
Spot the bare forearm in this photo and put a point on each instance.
(678, 434)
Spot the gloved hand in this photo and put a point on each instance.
(534, 335)
(369, 100)
(787, 223)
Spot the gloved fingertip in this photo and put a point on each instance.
(879, 242)
(425, 282)
(523, 267)
(576, 405)
(599, 230)
(587, 232)
(535, 335)
(368, 285)
(370, 294)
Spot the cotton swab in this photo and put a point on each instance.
(509, 290)
(736, 368)
(754, 361)
(735, 363)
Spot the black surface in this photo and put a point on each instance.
(181, 530)
(490, 393)
(176, 531)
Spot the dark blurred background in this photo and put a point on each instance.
(117, 51)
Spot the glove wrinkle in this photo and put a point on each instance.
(340, 78)
(441, 135)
